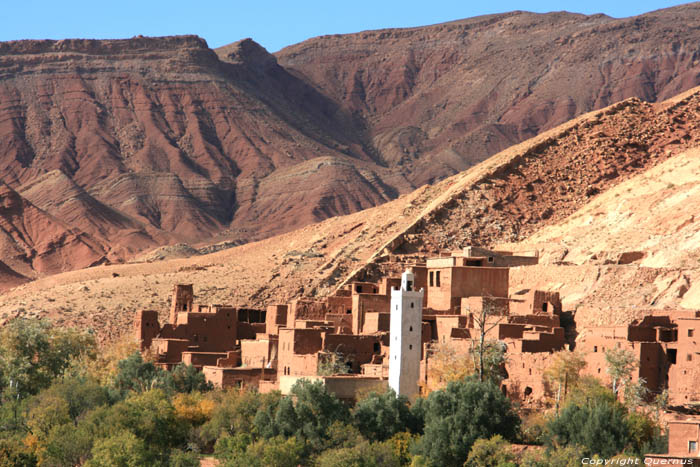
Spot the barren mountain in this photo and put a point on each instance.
(145, 142)
(590, 195)
(129, 145)
(438, 99)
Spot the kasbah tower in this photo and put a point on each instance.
(405, 334)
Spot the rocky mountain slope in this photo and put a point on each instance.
(440, 98)
(139, 143)
(143, 142)
(586, 174)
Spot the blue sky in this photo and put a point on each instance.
(274, 24)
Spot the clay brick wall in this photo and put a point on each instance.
(525, 381)
(182, 298)
(146, 326)
(243, 378)
(445, 323)
(376, 370)
(387, 283)
(256, 353)
(680, 433)
(475, 305)
(275, 318)
(300, 341)
(339, 304)
(200, 359)
(356, 349)
(376, 322)
(551, 321)
(367, 303)
(536, 301)
(232, 359)
(208, 332)
(342, 323)
(304, 309)
(169, 351)
(458, 282)
(247, 330)
(297, 365)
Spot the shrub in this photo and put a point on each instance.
(460, 414)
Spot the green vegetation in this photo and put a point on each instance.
(63, 404)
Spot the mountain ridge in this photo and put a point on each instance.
(159, 141)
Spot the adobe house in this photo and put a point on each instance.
(195, 334)
(683, 444)
(666, 350)
(450, 280)
(270, 349)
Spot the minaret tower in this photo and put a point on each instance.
(405, 335)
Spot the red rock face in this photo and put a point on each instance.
(437, 99)
(143, 142)
(118, 146)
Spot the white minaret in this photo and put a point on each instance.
(405, 334)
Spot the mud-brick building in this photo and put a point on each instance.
(683, 444)
(195, 334)
(666, 349)
(349, 332)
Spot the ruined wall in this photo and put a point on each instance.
(242, 378)
(376, 322)
(445, 323)
(305, 309)
(535, 301)
(200, 359)
(367, 303)
(356, 349)
(275, 318)
(525, 382)
(182, 299)
(168, 352)
(146, 327)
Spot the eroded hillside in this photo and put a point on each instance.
(579, 164)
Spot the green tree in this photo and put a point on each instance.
(63, 402)
(240, 412)
(458, 415)
(644, 435)
(13, 453)
(621, 363)
(365, 454)
(636, 393)
(307, 414)
(135, 375)
(493, 452)
(597, 423)
(567, 456)
(149, 416)
(33, 353)
(333, 363)
(489, 356)
(380, 416)
(186, 378)
(564, 373)
(277, 451)
(229, 447)
(123, 449)
(66, 445)
(180, 458)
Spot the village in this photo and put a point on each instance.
(369, 336)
